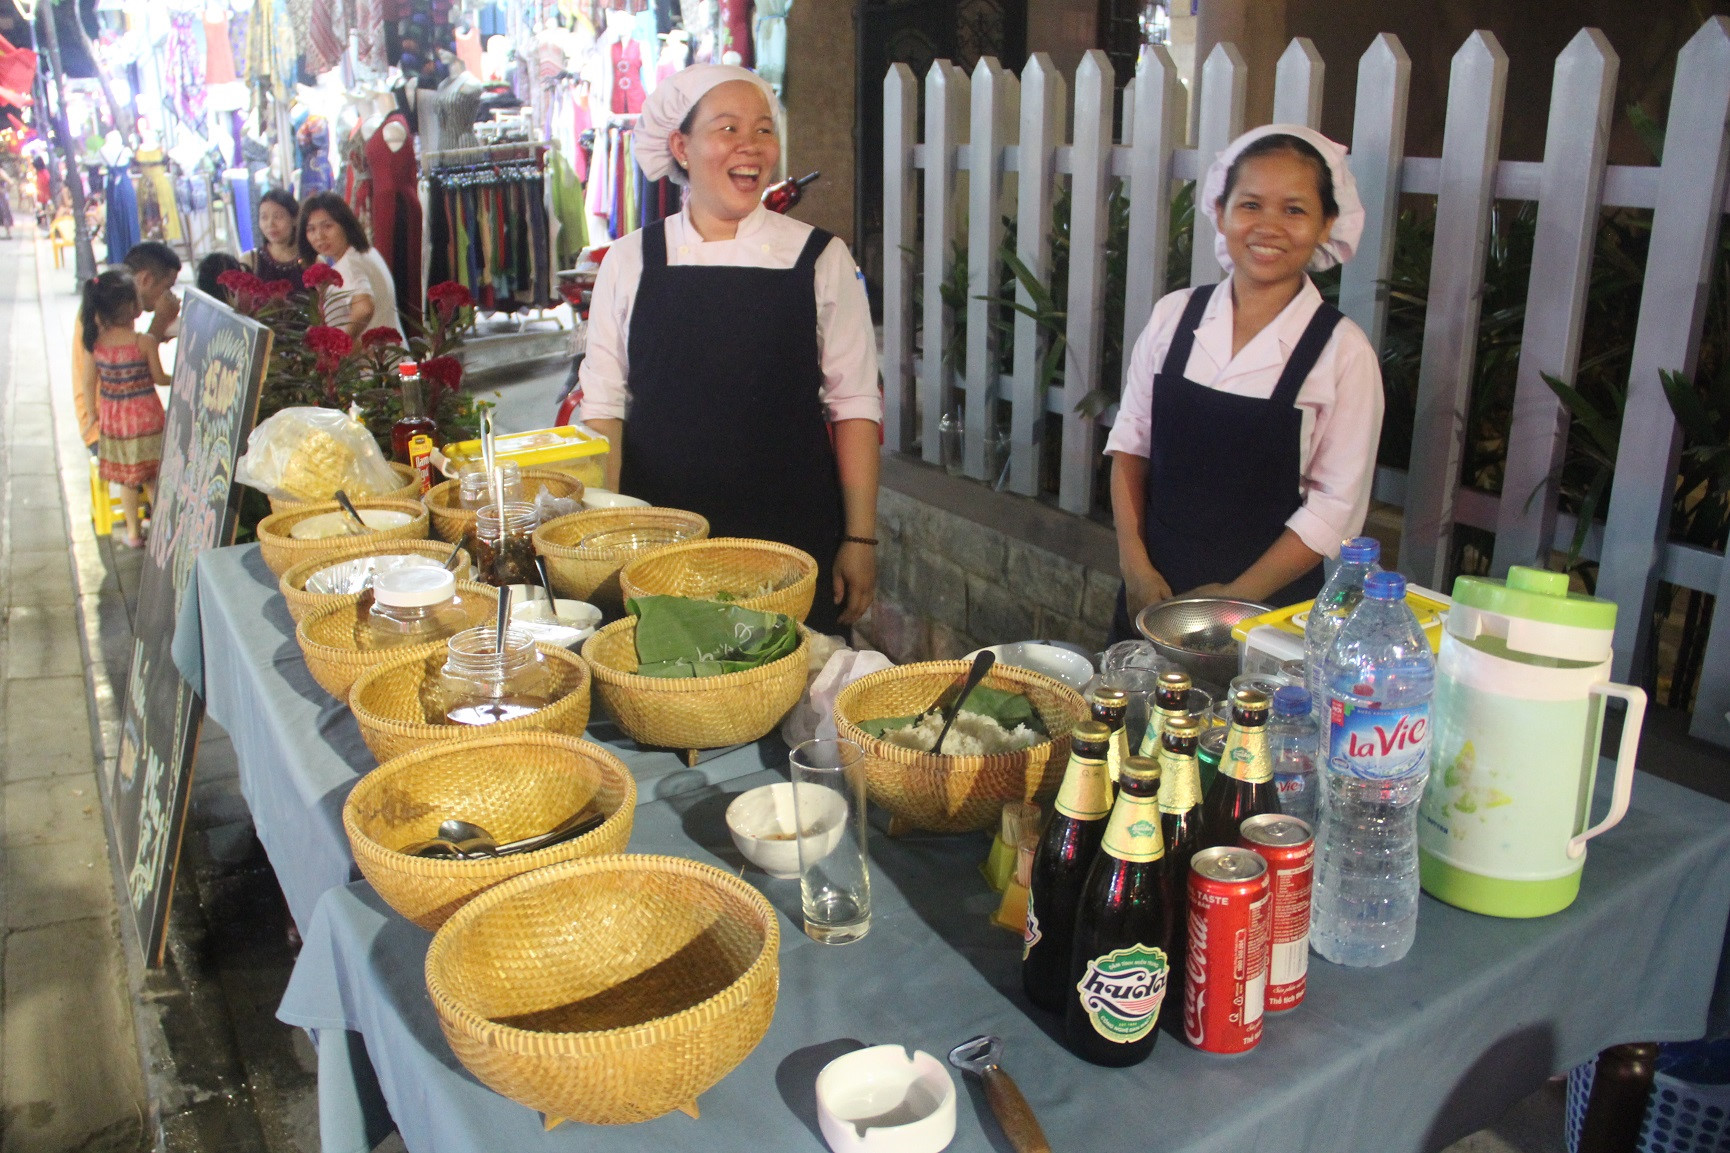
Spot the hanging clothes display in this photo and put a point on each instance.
(183, 67)
(356, 184)
(490, 232)
(468, 49)
(735, 17)
(313, 137)
(396, 211)
(158, 216)
(121, 229)
(627, 58)
(326, 36)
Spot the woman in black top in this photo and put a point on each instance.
(278, 255)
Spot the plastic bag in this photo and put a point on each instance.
(814, 716)
(309, 453)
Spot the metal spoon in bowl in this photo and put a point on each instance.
(981, 666)
(348, 507)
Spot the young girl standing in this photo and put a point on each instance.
(1246, 441)
(118, 381)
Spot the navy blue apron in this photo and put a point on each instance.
(1224, 472)
(726, 418)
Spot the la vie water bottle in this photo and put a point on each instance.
(1379, 677)
(1339, 596)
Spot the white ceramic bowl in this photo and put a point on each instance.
(350, 576)
(763, 827)
(331, 524)
(568, 623)
(607, 498)
(1060, 664)
(879, 1100)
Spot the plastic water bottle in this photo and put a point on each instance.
(1339, 596)
(1292, 744)
(1379, 678)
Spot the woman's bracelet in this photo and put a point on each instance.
(870, 540)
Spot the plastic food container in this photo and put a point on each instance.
(415, 605)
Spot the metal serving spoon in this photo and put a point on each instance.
(981, 666)
(348, 507)
(980, 1057)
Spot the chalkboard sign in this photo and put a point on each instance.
(218, 371)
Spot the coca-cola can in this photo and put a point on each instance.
(1225, 973)
(1289, 848)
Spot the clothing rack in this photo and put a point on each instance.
(481, 154)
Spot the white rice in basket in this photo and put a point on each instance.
(973, 735)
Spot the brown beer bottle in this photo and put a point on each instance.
(1066, 849)
(1110, 708)
(1121, 969)
(1245, 787)
(1170, 699)
(1180, 826)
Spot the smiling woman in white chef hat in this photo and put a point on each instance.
(1245, 443)
(731, 358)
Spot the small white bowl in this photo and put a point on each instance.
(1060, 664)
(879, 1100)
(331, 524)
(569, 624)
(350, 576)
(764, 829)
(607, 498)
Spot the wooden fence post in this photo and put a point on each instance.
(1157, 104)
(993, 115)
(1581, 98)
(900, 129)
(1471, 143)
(1043, 97)
(1089, 185)
(1223, 82)
(945, 119)
(1297, 84)
(1378, 149)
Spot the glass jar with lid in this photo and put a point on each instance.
(505, 551)
(413, 605)
(481, 685)
(475, 489)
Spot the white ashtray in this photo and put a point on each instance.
(350, 576)
(330, 524)
(764, 829)
(1058, 663)
(565, 623)
(879, 1100)
(607, 498)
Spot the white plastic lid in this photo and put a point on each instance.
(415, 587)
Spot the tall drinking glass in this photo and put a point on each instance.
(834, 866)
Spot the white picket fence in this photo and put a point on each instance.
(994, 146)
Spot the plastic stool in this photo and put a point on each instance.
(1689, 1109)
(105, 507)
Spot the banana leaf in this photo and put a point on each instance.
(679, 637)
(1006, 708)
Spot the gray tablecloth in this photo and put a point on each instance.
(1404, 1058)
(300, 751)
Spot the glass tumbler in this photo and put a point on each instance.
(834, 865)
(1139, 683)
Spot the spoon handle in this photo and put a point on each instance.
(981, 666)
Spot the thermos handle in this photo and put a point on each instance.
(1624, 786)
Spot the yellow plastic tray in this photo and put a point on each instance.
(569, 448)
(1430, 607)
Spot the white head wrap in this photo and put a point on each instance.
(1348, 225)
(672, 101)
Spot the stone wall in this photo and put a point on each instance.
(960, 566)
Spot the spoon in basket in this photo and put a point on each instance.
(981, 666)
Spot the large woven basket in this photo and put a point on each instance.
(513, 786)
(332, 639)
(302, 604)
(592, 574)
(452, 522)
(608, 989)
(407, 488)
(702, 569)
(691, 712)
(386, 702)
(282, 551)
(951, 794)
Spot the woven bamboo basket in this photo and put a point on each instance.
(332, 639)
(610, 989)
(693, 712)
(951, 794)
(408, 488)
(282, 551)
(452, 522)
(302, 604)
(703, 568)
(386, 702)
(592, 574)
(513, 786)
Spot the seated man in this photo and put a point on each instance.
(155, 267)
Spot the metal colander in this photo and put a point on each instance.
(1195, 633)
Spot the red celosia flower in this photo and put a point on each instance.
(447, 297)
(319, 275)
(329, 342)
(444, 371)
(241, 282)
(278, 289)
(375, 337)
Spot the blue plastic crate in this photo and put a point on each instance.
(1689, 1109)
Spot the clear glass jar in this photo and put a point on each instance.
(475, 490)
(414, 605)
(479, 685)
(508, 557)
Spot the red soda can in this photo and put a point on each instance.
(1289, 848)
(1225, 973)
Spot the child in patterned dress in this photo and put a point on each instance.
(118, 381)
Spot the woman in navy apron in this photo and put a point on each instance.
(1245, 444)
(731, 358)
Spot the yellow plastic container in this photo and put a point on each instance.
(571, 448)
(1429, 606)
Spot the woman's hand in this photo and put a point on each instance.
(855, 580)
(1143, 586)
